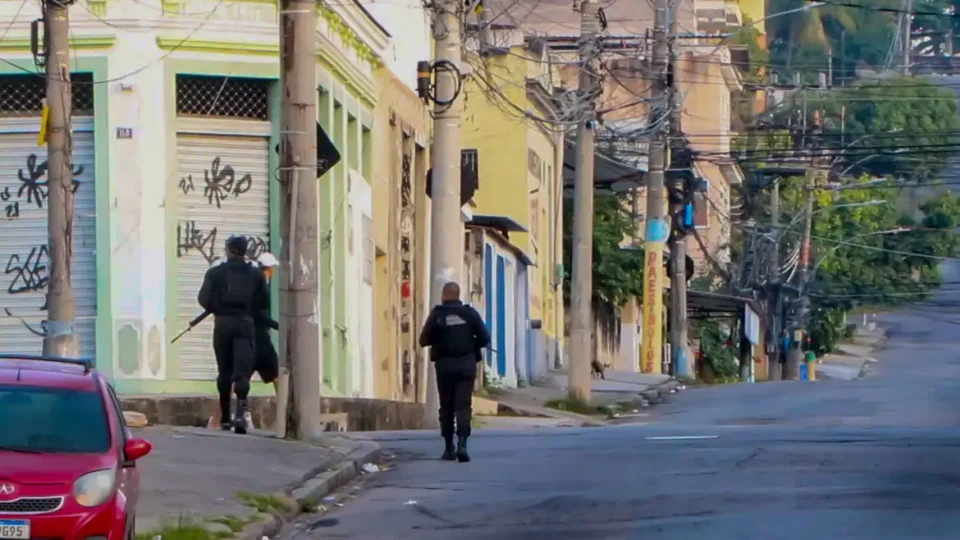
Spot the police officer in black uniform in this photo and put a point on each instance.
(455, 334)
(234, 292)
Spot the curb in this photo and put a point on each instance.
(653, 395)
(311, 489)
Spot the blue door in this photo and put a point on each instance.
(501, 329)
(488, 296)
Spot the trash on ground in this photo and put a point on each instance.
(410, 503)
(370, 468)
(329, 498)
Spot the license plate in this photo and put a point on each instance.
(14, 529)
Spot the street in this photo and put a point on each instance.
(870, 458)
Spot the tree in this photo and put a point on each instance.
(860, 260)
(905, 126)
(617, 271)
(805, 41)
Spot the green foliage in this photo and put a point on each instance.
(713, 342)
(903, 126)
(825, 330)
(617, 271)
(869, 255)
(749, 35)
(804, 41)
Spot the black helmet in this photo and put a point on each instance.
(237, 245)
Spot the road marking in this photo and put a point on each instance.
(683, 438)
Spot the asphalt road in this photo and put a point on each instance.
(875, 458)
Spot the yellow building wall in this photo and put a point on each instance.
(520, 176)
(757, 11)
(500, 140)
(398, 112)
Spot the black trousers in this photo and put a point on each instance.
(235, 350)
(456, 400)
(267, 363)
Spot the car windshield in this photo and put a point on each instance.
(52, 420)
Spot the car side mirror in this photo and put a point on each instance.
(135, 449)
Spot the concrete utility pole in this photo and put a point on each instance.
(905, 35)
(581, 290)
(299, 316)
(446, 226)
(774, 369)
(658, 230)
(61, 303)
(678, 244)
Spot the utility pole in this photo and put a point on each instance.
(775, 370)
(678, 195)
(59, 339)
(905, 36)
(299, 316)
(446, 227)
(581, 290)
(658, 230)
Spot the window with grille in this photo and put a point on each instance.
(226, 97)
(23, 94)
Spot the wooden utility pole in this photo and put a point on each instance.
(581, 290)
(446, 225)
(658, 229)
(59, 339)
(299, 315)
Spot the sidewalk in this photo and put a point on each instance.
(238, 485)
(618, 387)
(853, 357)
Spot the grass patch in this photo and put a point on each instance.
(476, 422)
(264, 503)
(577, 407)
(234, 523)
(185, 529)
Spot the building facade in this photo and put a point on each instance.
(401, 234)
(176, 122)
(519, 197)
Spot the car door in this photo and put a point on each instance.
(128, 479)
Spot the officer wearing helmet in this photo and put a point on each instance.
(236, 294)
(268, 362)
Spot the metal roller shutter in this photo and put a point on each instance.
(23, 242)
(223, 189)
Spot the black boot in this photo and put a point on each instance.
(240, 418)
(226, 423)
(449, 452)
(462, 455)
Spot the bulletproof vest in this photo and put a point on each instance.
(455, 331)
(238, 287)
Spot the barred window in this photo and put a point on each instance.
(228, 97)
(22, 94)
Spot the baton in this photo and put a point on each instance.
(197, 320)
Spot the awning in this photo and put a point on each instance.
(609, 174)
(504, 224)
(702, 304)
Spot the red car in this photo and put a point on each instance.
(67, 459)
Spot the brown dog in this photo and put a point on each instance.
(597, 369)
